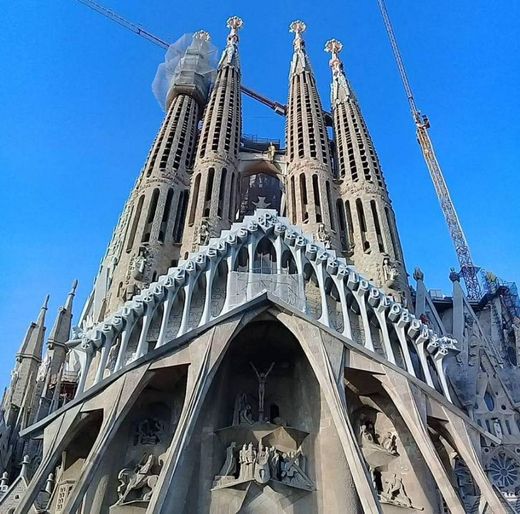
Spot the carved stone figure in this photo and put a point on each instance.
(149, 431)
(137, 485)
(390, 272)
(389, 443)
(293, 470)
(203, 232)
(140, 262)
(271, 151)
(263, 464)
(394, 492)
(323, 236)
(230, 465)
(243, 411)
(262, 472)
(262, 378)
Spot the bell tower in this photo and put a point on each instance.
(311, 189)
(148, 237)
(371, 231)
(213, 199)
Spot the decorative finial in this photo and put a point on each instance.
(234, 24)
(46, 302)
(298, 27)
(74, 287)
(454, 276)
(202, 35)
(25, 466)
(418, 274)
(334, 47)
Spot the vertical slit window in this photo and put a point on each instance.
(135, 224)
(222, 191)
(342, 224)
(193, 209)
(232, 198)
(303, 198)
(209, 188)
(362, 226)
(151, 216)
(377, 226)
(389, 220)
(331, 209)
(350, 226)
(166, 215)
(178, 226)
(316, 193)
(293, 200)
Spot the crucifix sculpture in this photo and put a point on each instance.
(262, 378)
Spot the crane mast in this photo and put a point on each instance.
(422, 124)
(277, 107)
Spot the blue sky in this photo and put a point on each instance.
(78, 117)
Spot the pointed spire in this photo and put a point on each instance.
(230, 54)
(340, 89)
(61, 329)
(32, 344)
(300, 61)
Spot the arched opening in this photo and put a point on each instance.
(180, 216)
(377, 226)
(74, 457)
(334, 305)
(165, 216)
(342, 224)
(135, 224)
(262, 190)
(316, 195)
(350, 226)
(198, 299)
(288, 263)
(193, 210)
(222, 192)
(219, 288)
(362, 226)
(331, 208)
(312, 292)
(303, 199)
(242, 260)
(175, 318)
(151, 215)
(265, 257)
(265, 382)
(209, 191)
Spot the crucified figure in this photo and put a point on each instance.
(262, 378)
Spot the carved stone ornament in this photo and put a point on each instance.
(149, 431)
(395, 494)
(390, 272)
(137, 484)
(262, 464)
(323, 236)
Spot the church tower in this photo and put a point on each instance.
(309, 173)
(371, 231)
(213, 204)
(148, 237)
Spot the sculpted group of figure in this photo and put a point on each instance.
(262, 464)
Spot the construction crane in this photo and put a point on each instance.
(468, 271)
(277, 107)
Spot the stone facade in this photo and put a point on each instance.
(257, 348)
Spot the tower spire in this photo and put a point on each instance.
(215, 175)
(147, 239)
(370, 236)
(312, 192)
